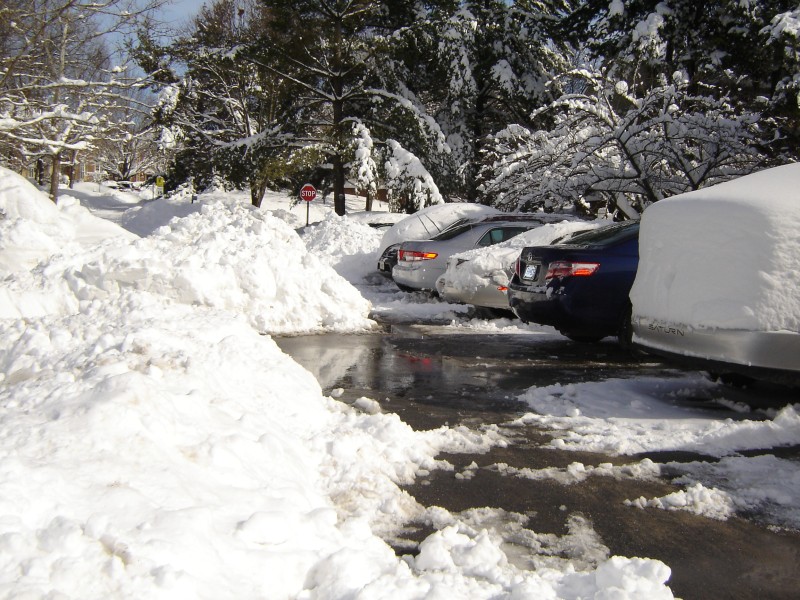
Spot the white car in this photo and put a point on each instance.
(480, 276)
(718, 281)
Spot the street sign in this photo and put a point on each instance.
(308, 192)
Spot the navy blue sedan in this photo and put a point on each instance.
(579, 286)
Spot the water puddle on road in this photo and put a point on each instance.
(431, 376)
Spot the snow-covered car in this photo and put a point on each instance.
(718, 285)
(480, 276)
(425, 224)
(420, 263)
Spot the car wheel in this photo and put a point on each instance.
(487, 313)
(625, 330)
(736, 380)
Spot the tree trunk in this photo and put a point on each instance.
(368, 205)
(338, 116)
(55, 175)
(338, 186)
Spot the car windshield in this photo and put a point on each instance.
(610, 234)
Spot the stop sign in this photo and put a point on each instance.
(308, 192)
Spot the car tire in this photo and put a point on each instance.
(734, 380)
(487, 313)
(625, 329)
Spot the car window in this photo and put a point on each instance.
(604, 236)
(499, 234)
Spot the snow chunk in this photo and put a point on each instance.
(697, 499)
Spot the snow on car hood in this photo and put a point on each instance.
(727, 256)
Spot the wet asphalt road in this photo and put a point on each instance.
(429, 379)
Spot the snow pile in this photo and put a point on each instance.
(32, 227)
(427, 222)
(156, 445)
(482, 267)
(224, 255)
(727, 256)
(345, 244)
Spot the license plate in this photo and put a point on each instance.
(531, 271)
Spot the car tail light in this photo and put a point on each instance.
(413, 255)
(563, 268)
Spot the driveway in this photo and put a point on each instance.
(550, 497)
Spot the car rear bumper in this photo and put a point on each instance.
(536, 306)
(417, 275)
(487, 296)
(572, 309)
(738, 349)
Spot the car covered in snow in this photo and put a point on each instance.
(579, 286)
(718, 285)
(480, 276)
(421, 262)
(424, 224)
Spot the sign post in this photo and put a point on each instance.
(308, 192)
(159, 191)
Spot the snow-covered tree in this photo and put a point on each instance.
(363, 170)
(409, 182)
(226, 115)
(491, 61)
(740, 51)
(336, 57)
(613, 148)
(58, 82)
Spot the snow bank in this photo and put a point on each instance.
(228, 256)
(32, 227)
(727, 256)
(348, 245)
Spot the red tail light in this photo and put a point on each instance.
(413, 255)
(563, 268)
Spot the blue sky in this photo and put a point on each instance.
(180, 11)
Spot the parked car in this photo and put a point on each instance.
(425, 224)
(480, 276)
(718, 286)
(420, 263)
(579, 286)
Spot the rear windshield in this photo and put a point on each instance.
(604, 236)
(453, 231)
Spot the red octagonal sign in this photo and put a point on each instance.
(308, 192)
